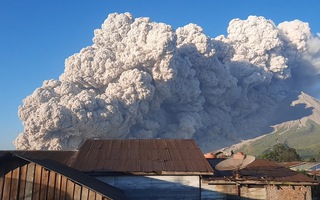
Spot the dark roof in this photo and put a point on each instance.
(155, 156)
(63, 157)
(79, 177)
(263, 171)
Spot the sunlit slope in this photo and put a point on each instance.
(296, 124)
(306, 140)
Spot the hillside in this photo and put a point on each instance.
(297, 125)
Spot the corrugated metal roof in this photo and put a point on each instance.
(265, 171)
(63, 157)
(307, 166)
(79, 177)
(158, 156)
(291, 164)
(315, 173)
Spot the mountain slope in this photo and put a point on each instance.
(296, 123)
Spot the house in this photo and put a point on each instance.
(146, 168)
(27, 178)
(261, 179)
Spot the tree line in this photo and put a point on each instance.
(283, 153)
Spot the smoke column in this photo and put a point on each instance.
(142, 79)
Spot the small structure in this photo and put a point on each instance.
(261, 179)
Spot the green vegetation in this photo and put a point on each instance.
(281, 153)
(305, 140)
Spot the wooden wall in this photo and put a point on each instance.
(20, 179)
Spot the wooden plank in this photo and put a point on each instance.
(51, 185)
(63, 191)
(15, 179)
(22, 180)
(37, 182)
(2, 178)
(57, 187)
(7, 181)
(44, 183)
(98, 196)
(70, 189)
(77, 192)
(92, 195)
(29, 181)
(84, 193)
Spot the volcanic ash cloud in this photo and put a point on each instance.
(142, 79)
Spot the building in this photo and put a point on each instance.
(261, 179)
(146, 168)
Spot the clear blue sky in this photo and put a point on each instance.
(36, 36)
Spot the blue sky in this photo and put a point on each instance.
(37, 36)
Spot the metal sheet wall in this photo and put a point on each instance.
(156, 187)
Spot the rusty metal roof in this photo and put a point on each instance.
(155, 156)
(63, 157)
(264, 171)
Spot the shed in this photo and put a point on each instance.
(262, 179)
(146, 168)
(31, 178)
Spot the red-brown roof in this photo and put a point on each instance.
(157, 156)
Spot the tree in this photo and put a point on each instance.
(281, 153)
(312, 159)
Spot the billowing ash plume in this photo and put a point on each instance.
(142, 79)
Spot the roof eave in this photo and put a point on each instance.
(259, 182)
(160, 173)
